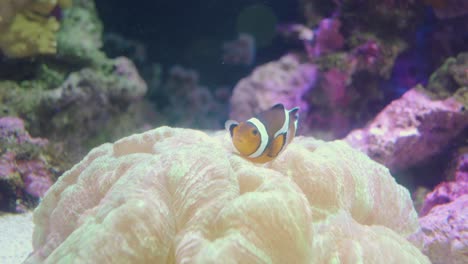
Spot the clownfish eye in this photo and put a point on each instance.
(255, 132)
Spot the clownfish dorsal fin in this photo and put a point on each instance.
(274, 119)
(277, 106)
(230, 125)
(294, 116)
(294, 112)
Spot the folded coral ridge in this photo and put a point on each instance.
(183, 196)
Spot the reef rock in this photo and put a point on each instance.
(25, 173)
(445, 232)
(284, 81)
(179, 195)
(411, 129)
(27, 27)
(447, 192)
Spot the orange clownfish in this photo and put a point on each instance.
(260, 139)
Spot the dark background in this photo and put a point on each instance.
(191, 33)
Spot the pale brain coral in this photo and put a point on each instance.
(181, 196)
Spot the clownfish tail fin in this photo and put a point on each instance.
(230, 125)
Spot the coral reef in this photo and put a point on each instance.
(49, 94)
(444, 232)
(179, 195)
(58, 112)
(283, 81)
(26, 169)
(341, 90)
(410, 129)
(27, 27)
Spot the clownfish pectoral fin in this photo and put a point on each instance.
(230, 125)
(277, 145)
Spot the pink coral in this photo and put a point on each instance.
(20, 166)
(12, 129)
(180, 195)
(327, 38)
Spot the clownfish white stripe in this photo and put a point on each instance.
(263, 137)
(285, 126)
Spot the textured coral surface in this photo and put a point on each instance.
(182, 196)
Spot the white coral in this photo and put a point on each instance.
(182, 196)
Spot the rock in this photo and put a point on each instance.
(410, 129)
(444, 232)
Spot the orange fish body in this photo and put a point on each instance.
(260, 139)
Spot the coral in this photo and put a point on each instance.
(106, 93)
(444, 232)
(57, 112)
(284, 81)
(240, 51)
(79, 38)
(346, 89)
(25, 173)
(49, 94)
(174, 195)
(451, 78)
(410, 129)
(27, 27)
(327, 38)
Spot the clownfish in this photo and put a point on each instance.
(261, 138)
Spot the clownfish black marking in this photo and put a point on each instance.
(261, 138)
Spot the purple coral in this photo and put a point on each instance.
(12, 129)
